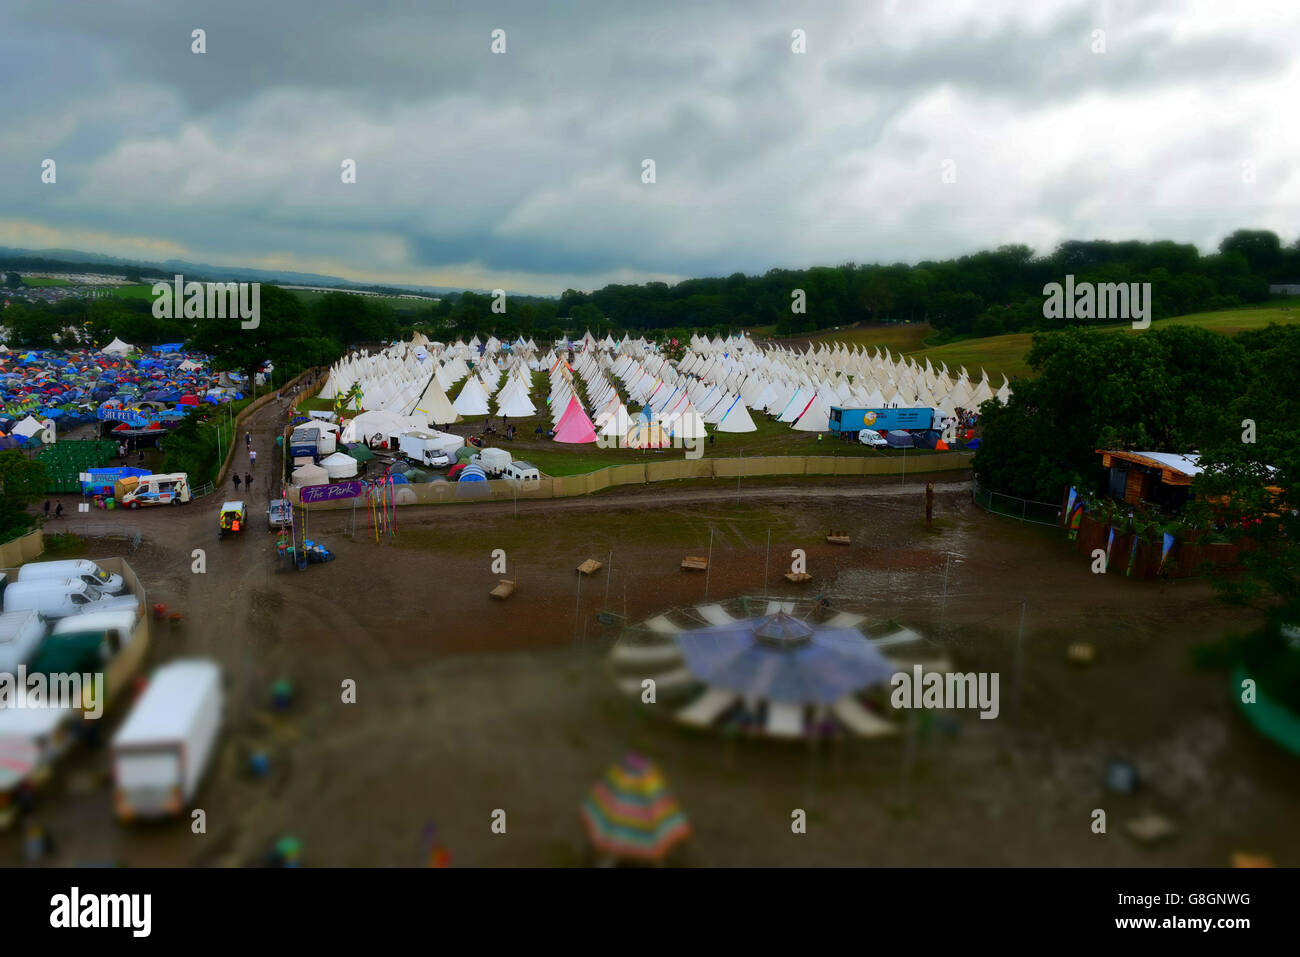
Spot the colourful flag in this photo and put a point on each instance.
(1164, 551)
(1076, 517)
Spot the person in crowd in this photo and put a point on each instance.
(47, 509)
(252, 458)
(248, 482)
(58, 510)
(236, 483)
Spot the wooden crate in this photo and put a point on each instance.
(694, 563)
(590, 567)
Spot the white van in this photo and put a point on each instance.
(168, 740)
(521, 471)
(21, 634)
(81, 568)
(170, 488)
(55, 598)
(493, 461)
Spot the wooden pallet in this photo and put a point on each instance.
(838, 538)
(505, 588)
(590, 567)
(798, 577)
(694, 563)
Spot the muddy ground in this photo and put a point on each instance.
(466, 705)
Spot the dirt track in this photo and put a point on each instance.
(466, 705)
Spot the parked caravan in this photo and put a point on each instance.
(82, 568)
(167, 741)
(521, 471)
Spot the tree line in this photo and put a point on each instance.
(984, 294)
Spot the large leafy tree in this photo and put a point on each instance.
(22, 482)
(1162, 390)
(1251, 485)
(283, 335)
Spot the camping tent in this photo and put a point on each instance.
(434, 406)
(306, 475)
(736, 419)
(339, 465)
(574, 428)
(473, 399)
(646, 434)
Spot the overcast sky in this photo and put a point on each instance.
(524, 170)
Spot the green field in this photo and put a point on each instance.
(38, 281)
(901, 337)
(142, 290)
(398, 304)
(145, 291)
(1006, 354)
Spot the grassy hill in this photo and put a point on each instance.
(1006, 354)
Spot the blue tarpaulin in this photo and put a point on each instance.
(780, 658)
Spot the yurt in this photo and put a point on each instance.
(339, 466)
(305, 475)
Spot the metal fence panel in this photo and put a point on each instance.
(1021, 509)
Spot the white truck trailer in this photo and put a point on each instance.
(167, 742)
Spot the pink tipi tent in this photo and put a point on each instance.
(574, 427)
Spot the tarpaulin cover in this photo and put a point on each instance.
(779, 658)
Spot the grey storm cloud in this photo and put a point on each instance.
(524, 170)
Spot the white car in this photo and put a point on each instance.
(872, 438)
